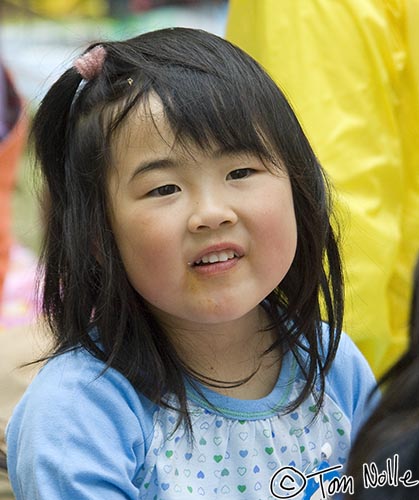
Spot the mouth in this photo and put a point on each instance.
(215, 257)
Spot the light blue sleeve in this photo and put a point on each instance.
(78, 433)
(350, 383)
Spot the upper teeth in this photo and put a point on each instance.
(211, 258)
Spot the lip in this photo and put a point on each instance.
(219, 247)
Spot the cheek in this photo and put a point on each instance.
(148, 254)
(142, 251)
(277, 233)
(281, 243)
(137, 236)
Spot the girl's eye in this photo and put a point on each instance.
(240, 173)
(166, 190)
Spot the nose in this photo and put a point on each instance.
(211, 214)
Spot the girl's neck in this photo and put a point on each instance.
(231, 352)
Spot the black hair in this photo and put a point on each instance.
(213, 94)
(393, 427)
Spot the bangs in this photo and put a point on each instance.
(201, 112)
(206, 110)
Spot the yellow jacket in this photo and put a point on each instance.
(350, 68)
(63, 8)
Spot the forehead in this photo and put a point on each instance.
(145, 127)
(146, 142)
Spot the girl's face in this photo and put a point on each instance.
(204, 237)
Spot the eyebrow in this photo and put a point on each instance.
(147, 166)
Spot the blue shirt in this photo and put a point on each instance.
(80, 434)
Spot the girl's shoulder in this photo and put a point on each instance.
(73, 412)
(350, 366)
(77, 381)
(73, 373)
(350, 378)
(351, 383)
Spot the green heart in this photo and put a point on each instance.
(241, 488)
(225, 472)
(169, 453)
(190, 489)
(269, 451)
(341, 432)
(242, 471)
(218, 458)
(297, 432)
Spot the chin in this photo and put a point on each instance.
(221, 314)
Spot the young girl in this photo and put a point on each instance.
(187, 259)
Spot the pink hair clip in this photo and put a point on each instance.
(90, 64)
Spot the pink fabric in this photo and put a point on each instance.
(18, 307)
